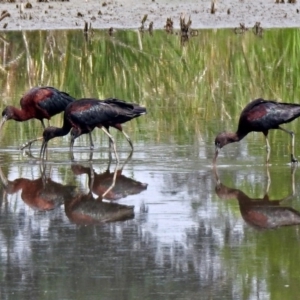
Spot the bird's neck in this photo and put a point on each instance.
(234, 136)
(21, 115)
(63, 130)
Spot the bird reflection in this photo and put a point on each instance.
(40, 194)
(100, 183)
(261, 213)
(84, 209)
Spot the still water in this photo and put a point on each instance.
(172, 227)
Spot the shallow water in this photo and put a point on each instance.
(172, 227)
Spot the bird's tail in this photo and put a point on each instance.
(133, 108)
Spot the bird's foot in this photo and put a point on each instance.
(25, 145)
(293, 159)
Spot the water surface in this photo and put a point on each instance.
(172, 227)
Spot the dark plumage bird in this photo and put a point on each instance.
(261, 115)
(38, 103)
(85, 114)
(124, 112)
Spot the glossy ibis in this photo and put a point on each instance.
(83, 115)
(38, 103)
(261, 115)
(124, 112)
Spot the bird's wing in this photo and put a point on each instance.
(264, 115)
(92, 114)
(52, 100)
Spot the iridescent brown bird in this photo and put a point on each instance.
(38, 103)
(83, 115)
(124, 112)
(261, 115)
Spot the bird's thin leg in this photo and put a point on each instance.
(127, 160)
(92, 177)
(113, 142)
(109, 146)
(268, 180)
(91, 141)
(268, 148)
(43, 124)
(128, 139)
(292, 134)
(29, 143)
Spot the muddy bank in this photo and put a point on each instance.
(30, 15)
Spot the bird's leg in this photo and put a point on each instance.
(91, 141)
(292, 134)
(112, 141)
(92, 176)
(29, 143)
(109, 150)
(128, 139)
(268, 180)
(268, 148)
(43, 124)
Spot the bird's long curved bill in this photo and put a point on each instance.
(216, 155)
(4, 119)
(43, 149)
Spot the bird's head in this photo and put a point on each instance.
(8, 113)
(221, 140)
(74, 133)
(49, 133)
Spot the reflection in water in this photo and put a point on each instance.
(39, 194)
(100, 183)
(84, 209)
(261, 213)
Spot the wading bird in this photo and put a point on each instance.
(38, 103)
(261, 115)
(85, 114)
(125, 112)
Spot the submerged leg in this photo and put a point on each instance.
(291, 133)
(112, 141)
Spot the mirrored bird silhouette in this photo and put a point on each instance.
(84, 209)
(40, 194)
(38, 103)
(261, 213)
(261, 115)
(100, 183)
